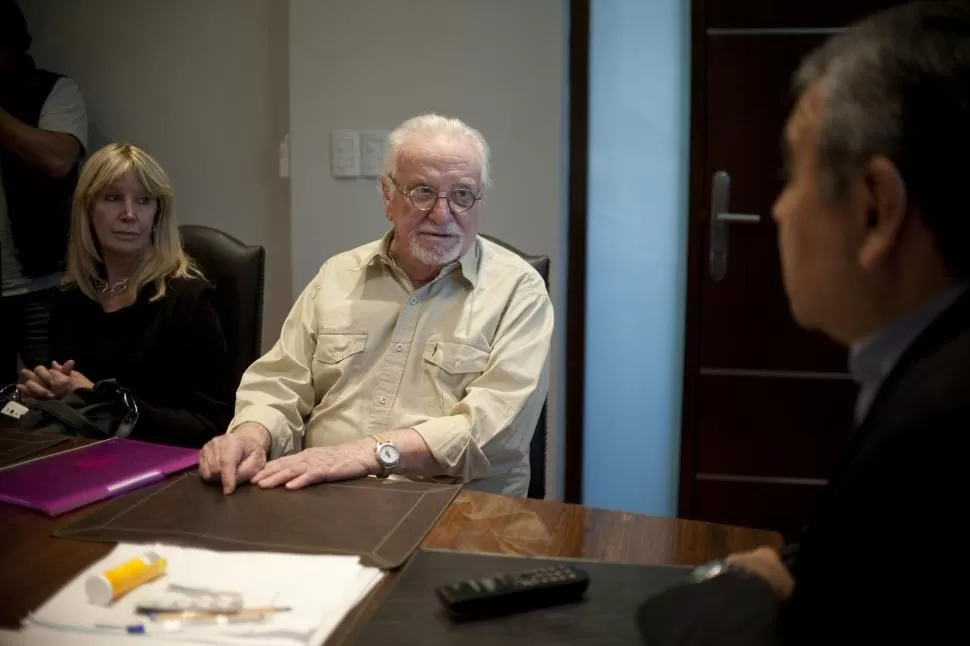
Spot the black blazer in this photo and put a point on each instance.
(883, 560)
(170, 353)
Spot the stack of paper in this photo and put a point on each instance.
(318, 590)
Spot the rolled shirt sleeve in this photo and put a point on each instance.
(277, 389)
(494, 423)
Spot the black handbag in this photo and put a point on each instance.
(105, 410)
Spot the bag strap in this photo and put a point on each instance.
(10, 393)
(69, 417)
(111, 389)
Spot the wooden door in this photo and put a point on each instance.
(766, 405)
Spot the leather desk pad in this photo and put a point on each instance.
(19, 445)
(411, 613)
(383, 521)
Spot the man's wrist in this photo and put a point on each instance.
(257, 432)
(367, 454)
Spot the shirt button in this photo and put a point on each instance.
(383, 400)
(399, 347)
(413, 300)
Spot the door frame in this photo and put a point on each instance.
(696, 225)
(576, 248)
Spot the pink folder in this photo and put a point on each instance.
(64, 481)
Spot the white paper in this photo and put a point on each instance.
(41, 636)
(320, 590)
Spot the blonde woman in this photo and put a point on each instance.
(134, 308)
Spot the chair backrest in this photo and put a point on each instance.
(236, 270)
(537, 450)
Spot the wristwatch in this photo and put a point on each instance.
(716, 568)
(708, 571)
(388, 457)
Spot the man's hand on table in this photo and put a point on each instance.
(765, 563)
(320, 464)
(235, 457)
(240, 456)
(347, 461)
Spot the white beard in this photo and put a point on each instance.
(435, 257)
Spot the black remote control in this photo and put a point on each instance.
(513, 592)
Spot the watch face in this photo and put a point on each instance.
(388, 454)
(707, 571)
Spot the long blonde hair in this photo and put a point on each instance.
(164, 259)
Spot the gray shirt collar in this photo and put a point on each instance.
(872, 358)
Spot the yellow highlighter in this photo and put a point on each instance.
(104, 588)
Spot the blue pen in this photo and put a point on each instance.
(131, 629)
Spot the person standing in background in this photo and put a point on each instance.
(43, 134)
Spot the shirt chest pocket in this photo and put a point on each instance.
(335, 360)
(451, 366)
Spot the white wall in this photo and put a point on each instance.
(202, 86)
(637, 247)
(499, 65)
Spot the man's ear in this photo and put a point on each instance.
(383, 185)
(886, 205)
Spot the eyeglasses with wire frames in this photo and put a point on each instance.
(423, 197)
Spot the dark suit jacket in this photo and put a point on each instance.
(883, 560)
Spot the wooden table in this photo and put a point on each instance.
(481, 522)
(34, 564)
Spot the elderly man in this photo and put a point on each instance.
(423, 354)
(873, 232)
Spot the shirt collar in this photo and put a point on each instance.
(873, 357)
(467, 263)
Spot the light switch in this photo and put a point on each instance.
(373, 146)
(345, 153)
(285, 156)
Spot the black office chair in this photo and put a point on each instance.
(537, 450)
(236, 270)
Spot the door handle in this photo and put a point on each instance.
(720, 219)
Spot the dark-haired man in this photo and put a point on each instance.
(873, 228)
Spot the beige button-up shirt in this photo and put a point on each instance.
(463, 360)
